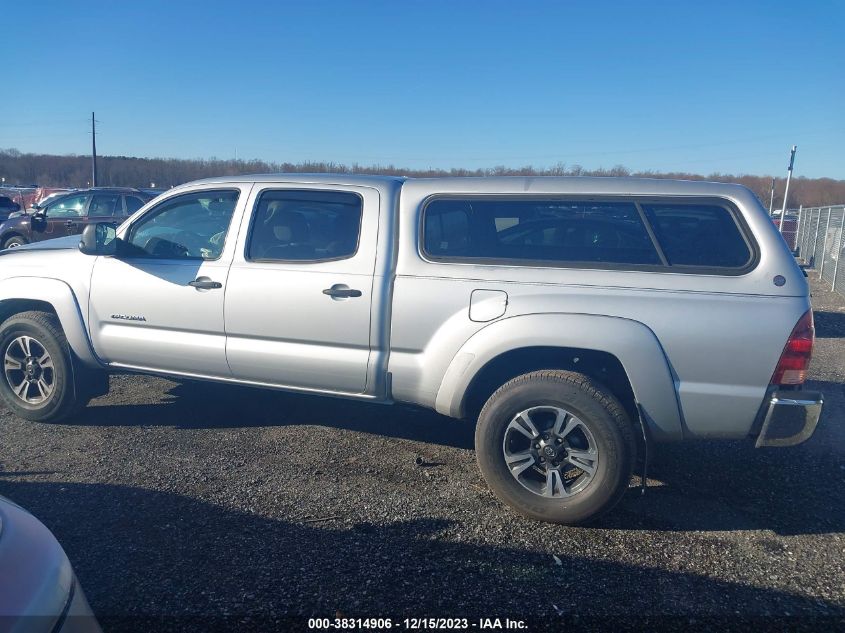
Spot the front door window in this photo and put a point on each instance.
(70, 207)
(192, 226)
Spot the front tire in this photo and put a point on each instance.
(14, 242)
(38, 374)
(556, 446)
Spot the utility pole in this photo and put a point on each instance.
(93, 152)
(786, 191)
(772, 197)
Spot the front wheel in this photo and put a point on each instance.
(556, 446)
(38, 376)
(14, 242)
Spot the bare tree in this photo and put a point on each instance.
(127, 171)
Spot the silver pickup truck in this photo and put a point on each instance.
(579, 320)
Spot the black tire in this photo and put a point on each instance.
(14, 242)
(65, 397)
(601, 413)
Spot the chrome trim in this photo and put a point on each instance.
(782, 402)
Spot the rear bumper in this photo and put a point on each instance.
(790, 418)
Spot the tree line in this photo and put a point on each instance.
(72, 170)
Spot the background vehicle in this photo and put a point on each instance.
(573, 317)
(7, 206)
(152, 191)
(24, 195)
(790, 228)
(45, 195)
(68, 214)
(38, 588)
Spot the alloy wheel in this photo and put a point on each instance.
(550, 451)
(29, 370)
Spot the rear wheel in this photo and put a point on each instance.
(38, 373)
(556, 446)
(14, 242)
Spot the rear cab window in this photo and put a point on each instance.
(615, 234)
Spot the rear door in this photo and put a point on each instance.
(132, 203)
(104, 207)
(299, 295)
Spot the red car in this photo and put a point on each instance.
(790, 230)
(43, 193)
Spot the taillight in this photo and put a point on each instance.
(795, 359)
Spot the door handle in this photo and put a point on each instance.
(341, 291)
(203, 283)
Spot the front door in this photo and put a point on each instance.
(65, 216)
(158, 305)
(300, 288)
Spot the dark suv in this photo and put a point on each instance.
(7, 206)
(68, 214)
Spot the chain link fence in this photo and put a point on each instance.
(819, 242)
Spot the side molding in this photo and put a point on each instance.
(60, 296)
(634, 344)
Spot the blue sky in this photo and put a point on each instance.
(672, 86)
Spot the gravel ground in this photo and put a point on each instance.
(194, 506)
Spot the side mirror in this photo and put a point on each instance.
(39, 221)
(99, 239)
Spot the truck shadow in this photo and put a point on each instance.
(730, 485)
(829, 324)
(698, 486)
(200, 405)
(164, 561)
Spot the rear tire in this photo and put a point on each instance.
(579, 459)
(37, 382)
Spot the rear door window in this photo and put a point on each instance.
(538, 230)
(104, 205)
(704, 236)
(303, 226)
(133, 203)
